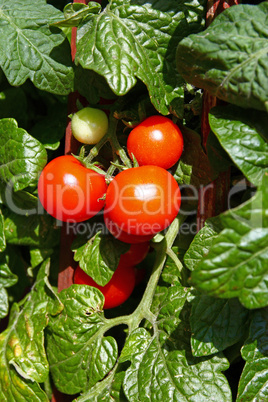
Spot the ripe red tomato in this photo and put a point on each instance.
(135, 254)
(143, 200)
(69, 191)
(119, 234)
(156, 141)
(117, 290)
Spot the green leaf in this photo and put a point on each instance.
(91, 85)
(22, 391)
(216, 324)
(162, 365)
(193, 167)
(79, 355)
(32, 230)
(156, 373)
(238, 132)
(202, 242)
(31, 49)
(236, 264)
(7, 279)
(166, 306)
(99, 257)
(229, 58)
(253, 385)
(21, 202)
(129, 41)
(74, 13)
(4, 305)
(38, 255)
(23, 361)
(22, 157)
(108, 390)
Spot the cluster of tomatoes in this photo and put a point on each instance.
(137, 203)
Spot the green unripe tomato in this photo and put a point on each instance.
(89, 125)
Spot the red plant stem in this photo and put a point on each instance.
(212, 198)
(215, 7)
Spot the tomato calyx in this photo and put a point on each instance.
(134, 160)
(96, 166)
(119, 166)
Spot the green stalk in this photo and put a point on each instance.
(112, 168)
(110, 137)
(119, 150)
(143, 310)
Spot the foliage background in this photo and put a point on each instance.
(197, 329)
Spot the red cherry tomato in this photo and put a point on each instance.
(135, 254)
(156, 141)
(69, 191)
(115, 292)
(119, 234)
(143, 200)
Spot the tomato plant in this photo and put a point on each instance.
(196, 328)
(156, 141)
(117, 290)
(69, 191)
(143, 200)
(89, 125)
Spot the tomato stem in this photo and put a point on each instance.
(143, 309)
(175, 259)
(115, 143)
(110, 137)
(111, 169)
(95, 150)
